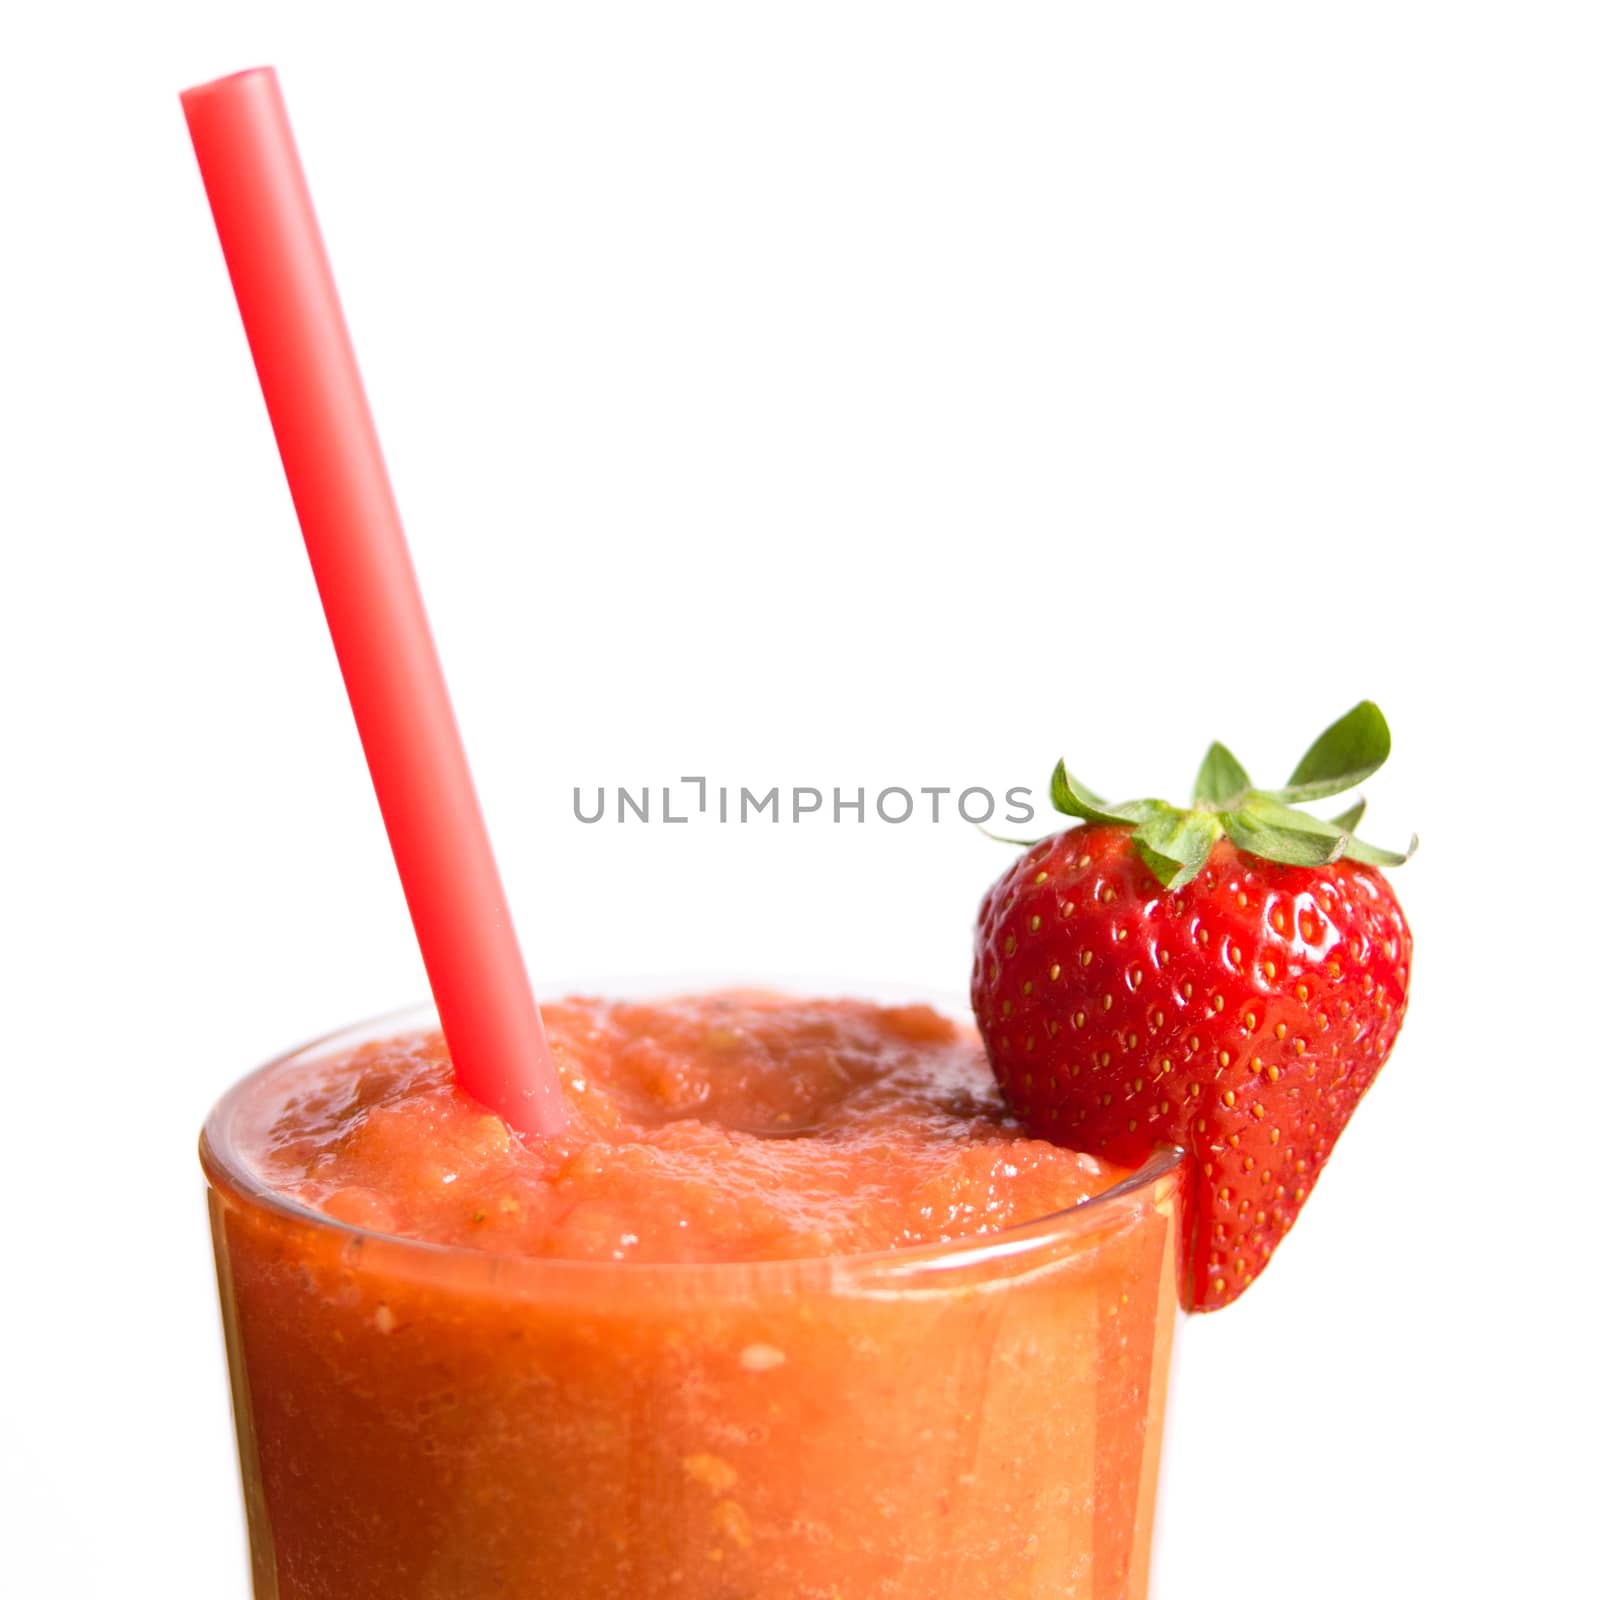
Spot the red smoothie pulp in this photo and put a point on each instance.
(792, 1309)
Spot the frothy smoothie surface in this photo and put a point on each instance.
(736, 1126)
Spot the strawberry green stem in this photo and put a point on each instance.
(1175, 841)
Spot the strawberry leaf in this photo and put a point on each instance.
(1352, 749)
(1221, 782)
(1371, 855)
(1000, 838)
(1294, 846)
(1074, 799)
(1267, 810)
(1069, 796)
(1349, 821)
(1175, 844)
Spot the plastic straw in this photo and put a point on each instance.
(347, 511)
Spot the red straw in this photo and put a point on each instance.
(347, 510)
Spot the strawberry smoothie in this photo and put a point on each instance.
(792, 1310)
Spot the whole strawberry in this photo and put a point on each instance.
(1228, 977)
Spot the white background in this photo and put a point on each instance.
(834, 395)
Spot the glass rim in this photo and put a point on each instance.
(1019, 1246)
